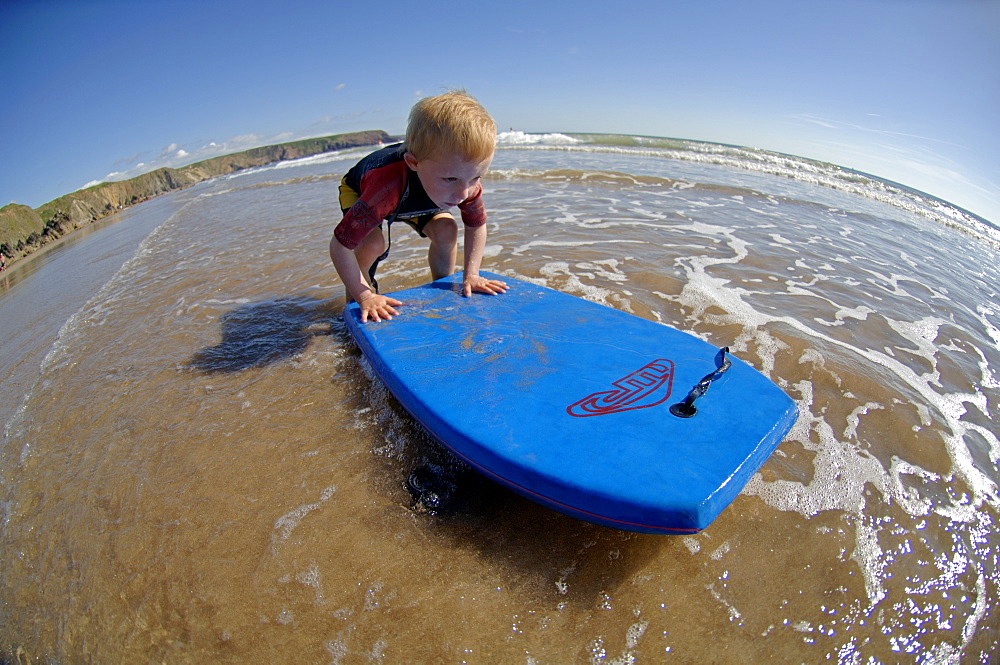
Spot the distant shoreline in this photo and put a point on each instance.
(26, 233)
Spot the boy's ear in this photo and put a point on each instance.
(411, 160)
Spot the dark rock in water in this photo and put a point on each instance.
(432, 489)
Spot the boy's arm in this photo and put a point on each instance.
(373, 305)
(475, 244)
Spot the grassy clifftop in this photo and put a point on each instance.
(18, 221)
(23, 229)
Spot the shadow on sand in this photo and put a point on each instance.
(266, 332)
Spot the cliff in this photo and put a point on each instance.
(24, 230)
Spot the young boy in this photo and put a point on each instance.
(449, 145)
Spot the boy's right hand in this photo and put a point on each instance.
(377, 307)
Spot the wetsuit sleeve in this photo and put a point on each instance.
(473, 209)
(381, 190)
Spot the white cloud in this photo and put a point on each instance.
(343, 117)
(841, 125)
(340, 86)
(828, 124)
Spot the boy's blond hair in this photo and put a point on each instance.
(454, 122)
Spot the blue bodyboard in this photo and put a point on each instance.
(567, 402)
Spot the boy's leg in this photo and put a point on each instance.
(443, 234)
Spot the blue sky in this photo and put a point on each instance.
(908, 90)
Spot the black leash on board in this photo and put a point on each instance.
(686, 408)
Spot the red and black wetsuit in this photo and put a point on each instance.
(382, 187)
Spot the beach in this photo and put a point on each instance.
(199, 466)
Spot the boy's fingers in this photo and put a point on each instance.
(491, 287)
(384, 313)
(383, 310)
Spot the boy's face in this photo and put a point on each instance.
(447, 178)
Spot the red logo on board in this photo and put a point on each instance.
(642, 388)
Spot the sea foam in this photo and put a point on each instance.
(768, 163)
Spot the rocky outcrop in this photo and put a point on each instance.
(23, 230)
(19, 225)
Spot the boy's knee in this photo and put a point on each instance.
(373, 239)
(442, 230)
(370, 248)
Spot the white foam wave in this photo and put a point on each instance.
(350, 155)
(775, 164)
(705, 294)
(287, 523)
(518, 138)
(347, 155)
(841, 473)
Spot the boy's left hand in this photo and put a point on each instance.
(482, 285)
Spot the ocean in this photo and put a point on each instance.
(198, 465)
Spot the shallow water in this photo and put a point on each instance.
(199, 467)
